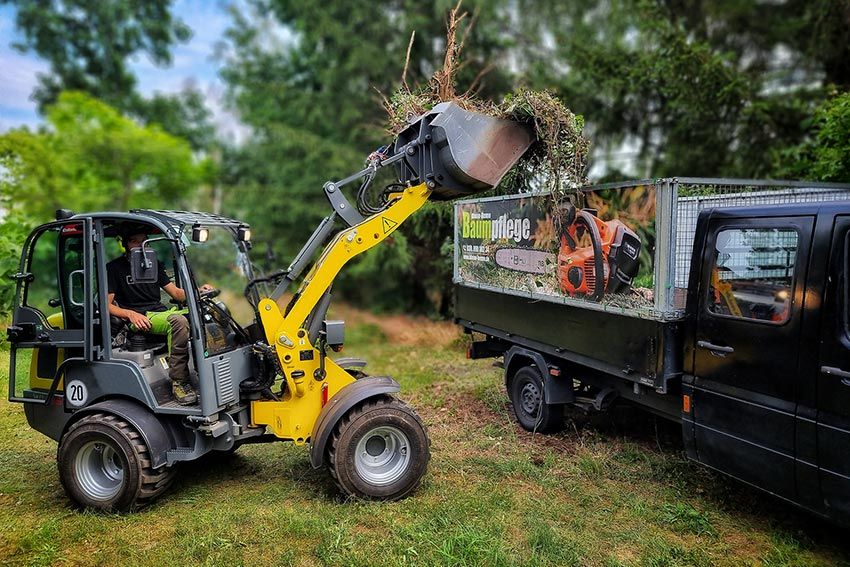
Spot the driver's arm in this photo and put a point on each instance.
(137, 319)
(178, 294)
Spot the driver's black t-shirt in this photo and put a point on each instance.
(140, 297)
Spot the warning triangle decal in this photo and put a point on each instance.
(388, 224)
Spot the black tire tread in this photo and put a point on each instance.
(372, 404)
(153, 481)
(551, 418)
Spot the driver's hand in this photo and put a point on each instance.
(205, 288)
(140, 321)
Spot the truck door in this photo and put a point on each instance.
(833, 380)
(745, 361)
(52, 319)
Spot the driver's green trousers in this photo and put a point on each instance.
(175, 326)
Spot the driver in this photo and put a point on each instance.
(139, 304)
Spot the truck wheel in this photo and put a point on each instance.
(104, 464)
(379, 450)
(532, 412)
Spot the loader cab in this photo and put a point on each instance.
(68, 353)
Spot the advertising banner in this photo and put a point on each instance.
(600, 251)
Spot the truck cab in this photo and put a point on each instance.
(766, 382)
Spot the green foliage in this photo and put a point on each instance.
(685, 518)
(183, 115)
(89, 44)
(13, 232)
(825, 156)
(683, 88)
(312, 102)
(91, 158)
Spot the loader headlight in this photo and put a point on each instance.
(200, 234)
(244, 234)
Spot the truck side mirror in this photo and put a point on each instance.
(144, 267)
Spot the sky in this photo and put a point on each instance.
(192, 63)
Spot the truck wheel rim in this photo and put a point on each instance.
(382, 455)
(99, 470)
(530, 399)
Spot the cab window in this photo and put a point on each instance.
(752, 273)
(57, 287)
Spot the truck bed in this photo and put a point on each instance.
(643, 351)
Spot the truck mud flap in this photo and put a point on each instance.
(555, 390)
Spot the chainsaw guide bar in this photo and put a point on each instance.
(526, 260)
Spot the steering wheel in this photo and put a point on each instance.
(209, 294)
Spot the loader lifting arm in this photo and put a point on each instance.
(309, 375)
(380, 444)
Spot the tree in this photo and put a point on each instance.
(313, 102)
(89, 157)
(691, 87)
(88, 44)
(183, 115)
(825, 155)
(92, 158)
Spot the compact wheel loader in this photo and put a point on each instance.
(263, 371)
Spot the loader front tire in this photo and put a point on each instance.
(104, 464)
(379, 450)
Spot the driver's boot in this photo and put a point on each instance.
(178, 371)
(184, 394)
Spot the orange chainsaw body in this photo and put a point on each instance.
(579, 273)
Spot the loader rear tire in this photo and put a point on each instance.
(104, 464)
(379, 450)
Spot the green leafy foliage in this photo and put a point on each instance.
(825, 156)
(89, 158)
(685, 88)
(13, 232)
(312, 99)
(183, 115)
(89, 44)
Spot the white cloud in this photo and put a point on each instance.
(17, 76)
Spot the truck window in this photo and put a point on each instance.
(752, 273)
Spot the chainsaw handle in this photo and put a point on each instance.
(596, 228)
(593, 225)
(568, 232)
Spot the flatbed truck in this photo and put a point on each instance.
(744, 339)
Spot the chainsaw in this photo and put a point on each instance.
(607, 265)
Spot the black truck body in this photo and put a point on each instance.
(754, 364)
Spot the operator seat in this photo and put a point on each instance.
(123, 337)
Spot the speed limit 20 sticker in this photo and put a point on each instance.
(76, 393)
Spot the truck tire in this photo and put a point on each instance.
(379, 450)
(527, 396)
(104, 464)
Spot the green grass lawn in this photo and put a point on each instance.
(613, 490)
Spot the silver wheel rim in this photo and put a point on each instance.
(382, 455)
(99, 470)
(530, 399)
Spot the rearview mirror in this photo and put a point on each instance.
(143, 265)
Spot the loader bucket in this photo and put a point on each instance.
(459, 153)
